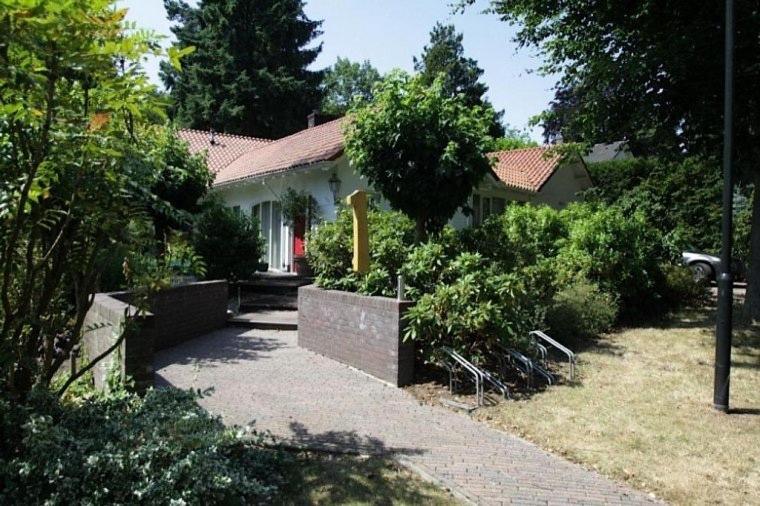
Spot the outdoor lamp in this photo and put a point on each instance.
(334, 183)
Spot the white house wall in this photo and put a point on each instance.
(564, 185)
(557, 192)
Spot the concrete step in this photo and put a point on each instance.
(262, 301)
(266, 320)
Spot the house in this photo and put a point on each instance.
(252, 174)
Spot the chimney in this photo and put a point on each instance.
(311, 119)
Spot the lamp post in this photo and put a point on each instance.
(723, 327)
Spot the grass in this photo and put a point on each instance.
(356, 480)
(642, 413)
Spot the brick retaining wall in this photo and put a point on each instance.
(176, 315)
(361, 331)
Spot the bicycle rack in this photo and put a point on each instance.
(538, 334)
(528, 367)
(480, 376)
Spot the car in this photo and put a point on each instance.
(705, 267)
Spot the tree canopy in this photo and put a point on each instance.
(461, 75)
(345, 82)
(651, 73)
(78, 160)
(249, 74)
(421, 147)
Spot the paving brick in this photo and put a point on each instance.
(307, 399)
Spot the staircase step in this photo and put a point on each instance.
(266, 320)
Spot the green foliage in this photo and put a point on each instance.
(426, 263)
(522, 235)
(513, 139)
(249, 73)
(680, 287)
(229, 243)
(580, 310)
(682, 199)
(77, 162)
(182, 181)
(297, 205)
(421, 148)
(346, 82)
(621, 252)
(123, 449)
(329, 252)
(445, 58)
(474, 310)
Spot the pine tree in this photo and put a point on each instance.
(445, 55)
(249, 73)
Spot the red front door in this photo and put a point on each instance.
(299, 237)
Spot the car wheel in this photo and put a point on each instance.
(701, 271)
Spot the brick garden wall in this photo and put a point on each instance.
(361, 331)
(176, 315)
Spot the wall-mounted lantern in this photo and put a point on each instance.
(334, 183)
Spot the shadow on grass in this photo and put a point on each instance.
(339, 467)
(317, 478)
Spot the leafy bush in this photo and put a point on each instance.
(229, 242)
(619, 251)
(426, 263)
(581, 310)
(522, 235)
(475, 308)
(329, 252)
(681, 199)
(160, 449)
(681, 288)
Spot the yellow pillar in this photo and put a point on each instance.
(358, 202)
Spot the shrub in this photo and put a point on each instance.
(681, 288)
(522, 235)
(472, 310)
(160, 449)
(229, 242)
(329, 252)
(426, 263)
(619, 252)
(581, 310)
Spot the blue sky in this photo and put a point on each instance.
(389, 32)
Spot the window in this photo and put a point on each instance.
(236, 210)
(498, 205)
(476, 216)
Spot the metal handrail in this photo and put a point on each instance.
(570, 355)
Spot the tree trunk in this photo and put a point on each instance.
(419, 229)
(752, 301)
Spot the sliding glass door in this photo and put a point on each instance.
(270, 221)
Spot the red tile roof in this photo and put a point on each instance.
(313, 145)
(235, 158)
(527, 168)
(225, 149)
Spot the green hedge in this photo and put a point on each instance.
(123, 449)
(577, 270)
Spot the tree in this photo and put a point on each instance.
(345, 82)
(512, 139)
(75, 171)
(249, 74)
(229, 242)
(461, 75)
(422, 148)
(183, 181)
(652, 73)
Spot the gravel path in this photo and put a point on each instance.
(307, 399)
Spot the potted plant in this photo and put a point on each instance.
(299, 208)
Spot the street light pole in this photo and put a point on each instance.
(724, 322)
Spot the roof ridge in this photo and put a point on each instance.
(239, 136)
(542, 146)
(307, 129)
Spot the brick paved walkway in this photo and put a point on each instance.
(305, 398)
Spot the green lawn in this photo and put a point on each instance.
(355, 480)
(642, 413)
